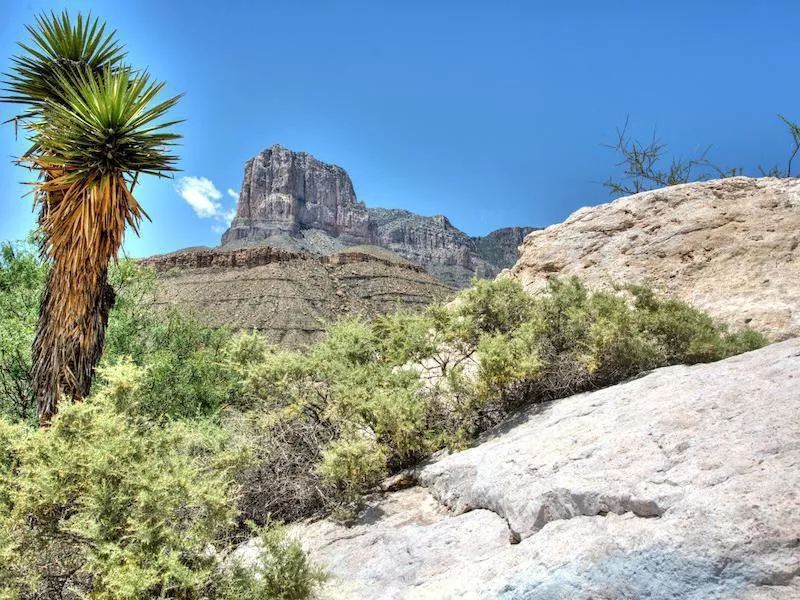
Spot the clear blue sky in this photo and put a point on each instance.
(491, 112)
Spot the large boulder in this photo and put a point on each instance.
(730, 247)
(681, 484)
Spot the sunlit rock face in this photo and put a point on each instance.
(286, 192)
(730, 246)
(293, 201)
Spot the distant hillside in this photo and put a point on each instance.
(290, 296)
(291, 200)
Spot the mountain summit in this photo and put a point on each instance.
(293, 201)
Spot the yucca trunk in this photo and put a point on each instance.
(84, 231)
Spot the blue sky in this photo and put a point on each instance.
(492, 112)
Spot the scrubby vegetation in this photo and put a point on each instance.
(194, 435)
(647, 166)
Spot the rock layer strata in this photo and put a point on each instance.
(290, 296)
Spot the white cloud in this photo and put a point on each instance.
(204, 198)
(201, 194)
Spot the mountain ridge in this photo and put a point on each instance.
(293, 201)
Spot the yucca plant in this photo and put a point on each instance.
(94, 127)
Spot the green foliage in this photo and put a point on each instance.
(283, 571)
(353, 464)
(375, 397)
(59, 45)
(187, 370)
(299, 405)
(584, 340)
(105, 502)
(322, 425)
(22, 277)
(507, 359)
(498, 306)
(107, 125)
(404, 337)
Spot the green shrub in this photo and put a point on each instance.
(330, 421)
(22, 276)
(506, 360)
(404, 338)
(350, 341)
(283, 571)
(498, 306)
(353, 465)
(322, 425)
(588, 339)
(187, 375)
(108, 504)
(685, 334)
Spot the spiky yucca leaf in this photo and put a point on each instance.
(108, 126)
(58, 47)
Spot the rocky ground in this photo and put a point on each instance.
(730, 247)
(682, 484)
(291, 296)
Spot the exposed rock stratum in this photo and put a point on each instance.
(680, 485)
(291, 296)
(293, 201)
(731, 247)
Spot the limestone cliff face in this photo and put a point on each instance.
(291, 200)
(433, 242)
(730, 247)
(286, 192)
(500, 247)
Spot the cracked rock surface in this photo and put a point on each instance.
(682, 484)
(730, 246)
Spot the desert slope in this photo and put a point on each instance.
(291, 296)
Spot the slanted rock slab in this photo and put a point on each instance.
(681, 484)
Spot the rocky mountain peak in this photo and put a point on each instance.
(285, 192)
(291, 200)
